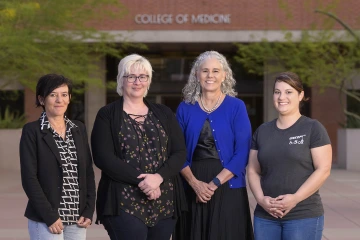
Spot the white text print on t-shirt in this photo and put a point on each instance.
(297, 139)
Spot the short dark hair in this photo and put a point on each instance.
(47, 83)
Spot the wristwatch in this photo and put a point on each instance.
(217, 182)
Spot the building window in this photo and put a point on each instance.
(353, 106)
(171, 69)
(76, 110)
(13, 100)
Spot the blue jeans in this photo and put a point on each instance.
(39, 231)
(277, 229)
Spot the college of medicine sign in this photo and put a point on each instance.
(182, 18)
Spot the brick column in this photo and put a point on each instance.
(31, 112)
(270, 73)
(95, 95)
(326, 108)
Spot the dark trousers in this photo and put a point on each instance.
(128, 227)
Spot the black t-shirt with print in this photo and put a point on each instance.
(285, 159)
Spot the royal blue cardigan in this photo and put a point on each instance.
(231, 131)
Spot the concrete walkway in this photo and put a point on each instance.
(340, 194)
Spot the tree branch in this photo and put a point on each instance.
(341, 23)
(354, 115)
(348, 93)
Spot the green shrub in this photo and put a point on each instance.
(11, 119)
(352, 122)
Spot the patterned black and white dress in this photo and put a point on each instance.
(69, 203)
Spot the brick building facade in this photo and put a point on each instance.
(176, 31)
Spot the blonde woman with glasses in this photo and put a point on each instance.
(140, 150)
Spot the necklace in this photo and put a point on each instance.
(61, 133)
(59, 130)
(216, 104)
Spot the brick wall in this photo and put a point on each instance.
(31, 112)
(245, 14)
(326, 107)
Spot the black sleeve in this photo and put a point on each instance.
(90, 179)
(177, 156)
(103, 150)
(319, 136)
(29, 179)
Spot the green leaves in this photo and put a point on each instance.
(52, 36)
(11, 119)
(325, 59)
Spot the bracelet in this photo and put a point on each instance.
(217, 182)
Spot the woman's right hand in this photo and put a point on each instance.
(265, 203)
(56, 227)
(203, 190)
(150, 182)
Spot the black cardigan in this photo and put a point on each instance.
(107, 156)
(41, 172)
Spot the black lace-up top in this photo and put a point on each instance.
(144, 144)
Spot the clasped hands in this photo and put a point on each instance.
(57, 227)
(204, 191)
(150, 185)
(280, 206)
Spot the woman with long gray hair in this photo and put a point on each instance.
(217, 132)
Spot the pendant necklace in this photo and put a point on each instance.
(61, 133)
(210, 110)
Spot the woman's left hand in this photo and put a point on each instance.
(83, 222)
(154, 194)
(212, 186)
(284, 203)
(150, 182)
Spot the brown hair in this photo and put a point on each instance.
(293, 80)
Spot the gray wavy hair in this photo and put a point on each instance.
(192, 89)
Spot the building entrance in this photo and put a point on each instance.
(172, 64)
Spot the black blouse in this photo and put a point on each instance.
(205, 148)
(107, 154)
(144, 146)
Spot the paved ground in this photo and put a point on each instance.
(340, 194)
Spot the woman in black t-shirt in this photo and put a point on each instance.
(290, 159)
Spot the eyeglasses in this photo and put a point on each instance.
(132, 78)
